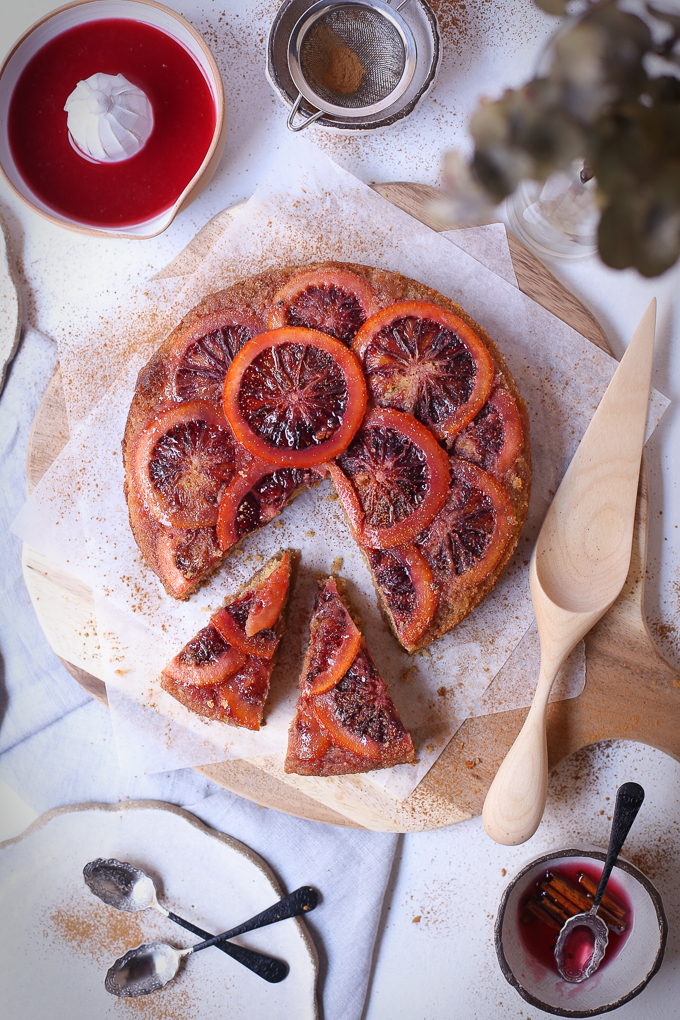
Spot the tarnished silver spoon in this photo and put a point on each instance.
(583, 939)
(150, 966)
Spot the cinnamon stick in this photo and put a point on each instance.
(566, 893)
(555, 909)
(572, 900)
(610, 902)
(536, 909)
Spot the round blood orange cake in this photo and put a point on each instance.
(340, 370)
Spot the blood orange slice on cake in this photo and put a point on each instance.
(294, 397)
(423, 359)
(334, 642)
(392, 479)
(495, 436)
(348, 725)
(328, 299)
(223, 673)
(182, 462)
(407, 590)
(238, 700)
(257, 496)
(202, 352)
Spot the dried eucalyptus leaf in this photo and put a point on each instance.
(616, 236)
(500, 170)
(665, 89)
(599, 61)
(642, 228)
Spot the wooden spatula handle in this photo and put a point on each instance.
(516, 799)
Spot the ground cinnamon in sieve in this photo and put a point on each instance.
(343, 71)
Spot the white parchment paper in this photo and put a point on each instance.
(305, 211)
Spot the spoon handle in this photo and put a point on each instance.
(516, 799)
(264, 966)
(299, 902)
(629, 798)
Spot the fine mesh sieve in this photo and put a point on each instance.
(350, 58)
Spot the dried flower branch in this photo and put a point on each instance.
(601, 102)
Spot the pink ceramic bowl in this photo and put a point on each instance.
(618, 980)
(81, 12)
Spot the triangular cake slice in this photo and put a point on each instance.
(224, 671)
(345, 720)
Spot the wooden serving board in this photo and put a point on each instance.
(631, 691)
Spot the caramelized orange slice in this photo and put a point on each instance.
(330, 300)
(252, 621)
(182, 462)
(425, 360)
(269, 599)
(396, 479)
(358, 714)
(257, 496)
(470, 533)
(184, 556)
(407, 587)
(239, 699)
(294, 397)
(205, 660)
(333, 644)
(494, 438)
(308, 742)
(202, 353)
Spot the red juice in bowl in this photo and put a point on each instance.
(134, 190)
(560, 892)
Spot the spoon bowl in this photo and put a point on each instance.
(577, 570)
(576, 960)
(144, 969)
(578, 957)
(121, 885)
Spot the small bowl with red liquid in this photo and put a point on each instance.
(157, 52)
(558, 885)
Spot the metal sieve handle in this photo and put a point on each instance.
(291, 117)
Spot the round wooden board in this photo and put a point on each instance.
(631, 691)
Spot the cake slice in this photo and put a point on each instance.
(345, 720)
(224, 671)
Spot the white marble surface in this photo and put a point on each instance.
(442, 967)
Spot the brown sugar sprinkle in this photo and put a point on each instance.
(97, 930)
(104, 934)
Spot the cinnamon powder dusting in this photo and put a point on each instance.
(104, 934)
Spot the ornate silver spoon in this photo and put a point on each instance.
(578, 954)
(150, 966)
